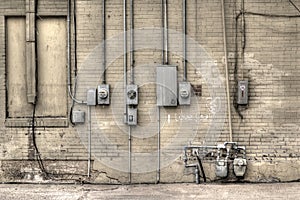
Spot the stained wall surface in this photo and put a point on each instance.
(263, 47)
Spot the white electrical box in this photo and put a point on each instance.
(132, 95)
(103, 94)
(78, 116)
(166, 88)
(132, 116)
(91, 97)
(184, 93)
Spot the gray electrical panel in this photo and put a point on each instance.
(242, 92)
(132, 94)
(91, 97)
(166, 88)
(132, 116)
(78, 116)
(103, 94)
(184, 93)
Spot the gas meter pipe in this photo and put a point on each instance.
(226, 71)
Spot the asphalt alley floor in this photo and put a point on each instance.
(153, 192)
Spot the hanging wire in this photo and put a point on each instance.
(75, 62)
(294, 5)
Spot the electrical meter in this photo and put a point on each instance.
(184, 96)
(132, 95)
(103, 94)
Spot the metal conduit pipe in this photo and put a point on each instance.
(131, 44)
(162, 33)
(125, 59)
(226, 71)
(104, 42)
(131, 82)
(158, 145)
(89, 141)
(166, 31)
(164, 61)
(69, 55)
(125, 85)
(184, 39)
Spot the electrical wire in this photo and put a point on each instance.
(37, 153)
(75, 62)
(294, 5)
(201, 168)
(243, 13)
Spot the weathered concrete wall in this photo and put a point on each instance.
(269, 128)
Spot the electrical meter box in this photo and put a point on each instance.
(103, 94)
(184, 93)
(132, 95)
(166, 88)
(132, 116)
(242, 92)
(78, 116)
(91, 97)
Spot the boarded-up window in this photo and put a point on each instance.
(51, 46)
(51, 68)
(15, 69)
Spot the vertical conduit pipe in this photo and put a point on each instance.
(226, 71)
(131, 44)
(125, 59)
(162, 32)
(89, 141)
(158, 108)
(104, 42)
(184, 39)
(158, 145)
(166, 31)
(132, 82)
(125, 84)
(69, 55)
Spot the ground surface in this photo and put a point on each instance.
(162, 191)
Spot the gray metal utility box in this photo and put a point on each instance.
(166, 88)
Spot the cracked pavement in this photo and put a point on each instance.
(151, 192)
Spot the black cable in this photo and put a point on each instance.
(75, 61)
(243, 12)
(201, 168)
(294, 5)
(271, 15)
(38, 156)
(75, 39)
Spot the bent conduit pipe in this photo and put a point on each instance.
(226, 71)
(69, 55)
